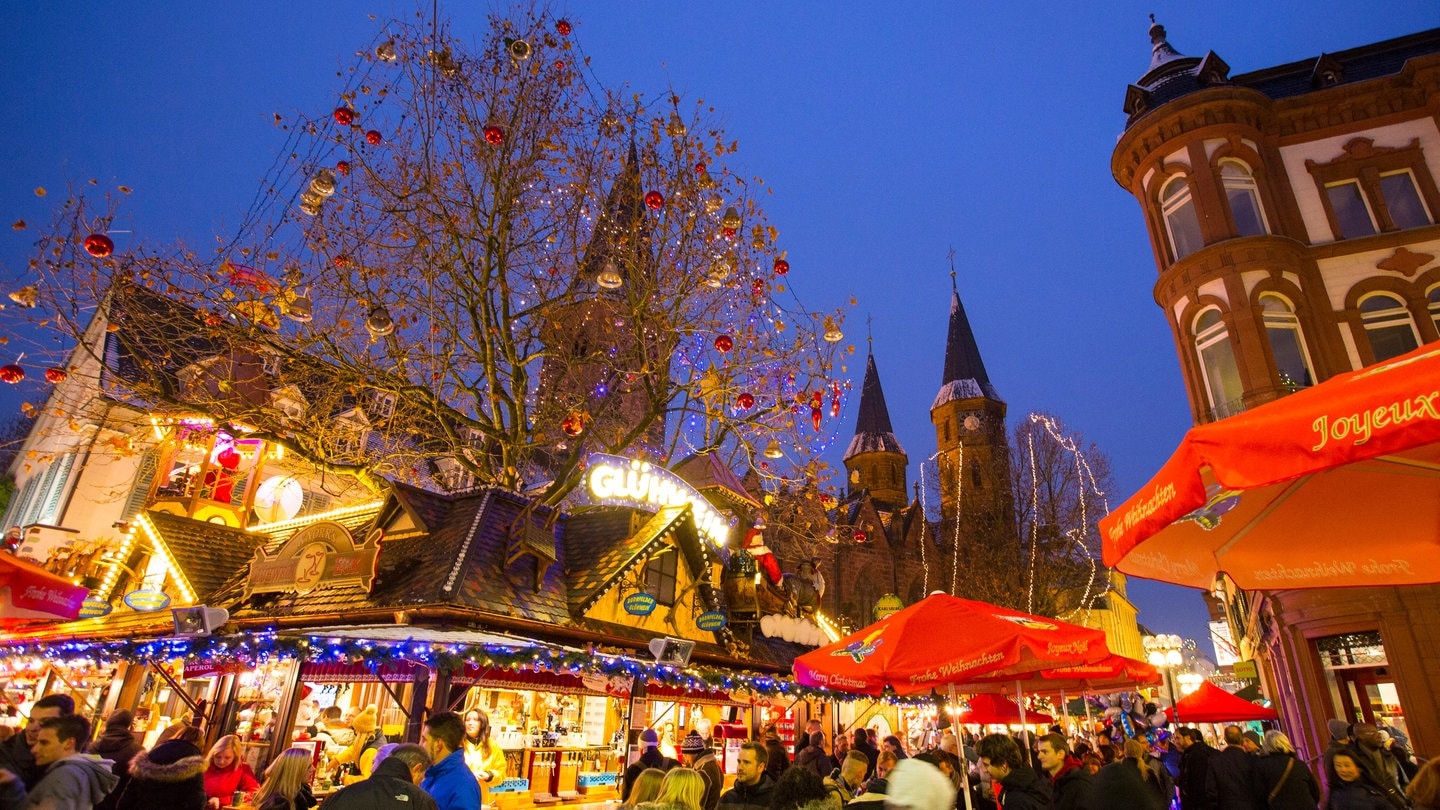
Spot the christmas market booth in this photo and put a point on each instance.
(571, 632)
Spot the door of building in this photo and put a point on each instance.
(1360, 696)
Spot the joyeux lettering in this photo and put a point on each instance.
(1360, 426)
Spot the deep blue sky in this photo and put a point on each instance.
(889, 133)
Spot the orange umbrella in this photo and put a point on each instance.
(1107, 675)
(29, 593)
(1335, 485)
(988, 710)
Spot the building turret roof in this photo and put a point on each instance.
(873, 433)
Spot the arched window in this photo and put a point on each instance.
(1388, 326)
(1287, 342)
(1435, 306)
(1217, 364)
(1181, 220)
(1244, 198)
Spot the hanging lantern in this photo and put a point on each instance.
(772, 450)
(724, 343)
(494, 135)
(832, 332)
(323, 183)
(379, 323)
(344, 116)
(654, 200)
(373, 137)
(12, 373)
(55, 376)
(609, 276)
(757, 237)
(720, 271)
(343, 167)
(746, 401)
(676, 127)
(730, 222)
(573, 424)
(385, 51)
(310, 202)
(815, 418)
(781, 267)
(519, 49)
(99, 245)
(300, 309)
(562, 27)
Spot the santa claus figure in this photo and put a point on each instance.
(764, 558)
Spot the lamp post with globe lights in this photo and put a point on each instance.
(1163, 652)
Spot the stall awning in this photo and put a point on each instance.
(540, 680)
(390, 672)
(681, 694)
(29, 593)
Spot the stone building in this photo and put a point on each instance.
(1292, 214)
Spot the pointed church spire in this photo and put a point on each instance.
(965, 375)
(873, 433)
(620, 221)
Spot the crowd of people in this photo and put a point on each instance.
(53, 764)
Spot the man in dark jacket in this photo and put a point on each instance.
(650, 757)
(1230, 778)
(1195, 756)
(171, 775)
(118, 745)
(860, 741)
(1071, 786)
(393, 783)
(1018, 785)
(753, 787)
(701, 757)
(15, 754)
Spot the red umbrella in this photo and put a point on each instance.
(1211, 704)
(944, 641)
(988, 710)
(1107, 675)
(29, 593)
(1335, 485)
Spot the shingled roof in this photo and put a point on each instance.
(873, 433)
(207, 553)
(965, 376)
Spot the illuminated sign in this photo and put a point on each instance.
(639, 604)
(711, 620)
(621, 481)
(147, 599)
(322, 553)
(94, 608)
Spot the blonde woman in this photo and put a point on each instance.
(646, 787)
(1157, 780)
(681, 789)
(225, 773)
(287, 783)
(485, 759)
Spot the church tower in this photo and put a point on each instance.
(875, 461)
(969, 417)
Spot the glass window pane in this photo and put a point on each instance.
(1245, 208)
(1289, 355)
(1184, 228)
(1391, 341)
(1350, 210)
(1222, 378)
(1406, 210)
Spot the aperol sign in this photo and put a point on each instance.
(323, 553)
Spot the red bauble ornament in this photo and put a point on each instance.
(343, 167)
(344, 116)
(724, 343)
(746, 400)
(373, 137)
(341, 260)
(700, 167)
(861, 536)
(12, 373)
(757, 287)
(99, 245)
(56, 375)
(815, 417)
(494, 135)
(562, 27)
(781, 267)
(728, 233)
(573, 424)
(654, 200)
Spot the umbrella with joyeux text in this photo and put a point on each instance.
(1335, 485)
(944, 641)
(29, 593)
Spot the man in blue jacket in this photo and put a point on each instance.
(448, 781)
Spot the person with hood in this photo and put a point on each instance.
(1071, 786)
(753, 786)
(15, 753)
(650, 757)
(118, 745)
(701, 757)
(1287, 782)
(917, 785)
(448, 780)
(1018, 785)
(393, 783)
(814, 759)
(170, 775)
(72, 780)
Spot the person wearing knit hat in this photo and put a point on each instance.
(916, 785)
(701, 757)
(650, 757)
(359, 757)
(1250, 741)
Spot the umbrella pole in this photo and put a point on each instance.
(1065, 709)
(964, 763)
(1024, 730)
(1089, 724)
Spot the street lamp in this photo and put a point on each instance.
(1163, 652)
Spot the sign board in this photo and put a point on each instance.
(323, 553)
(886, 605)
(94, 608)
(711, 621)
(147, 599)
(1246, 670)
(639, 604)
(620, 481)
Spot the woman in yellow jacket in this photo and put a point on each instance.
(485, 759)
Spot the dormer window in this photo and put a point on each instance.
(382, 404)
(1181, 222)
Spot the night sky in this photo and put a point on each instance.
(889, 133)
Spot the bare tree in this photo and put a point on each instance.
(477, 262)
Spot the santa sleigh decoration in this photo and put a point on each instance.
(754, 585)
